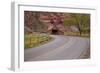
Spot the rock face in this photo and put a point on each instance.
(32, 22)
(57, 26)
(56, 29)
(47, 22)
(55, 23)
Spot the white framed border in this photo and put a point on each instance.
(17, 57)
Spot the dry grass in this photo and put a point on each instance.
(34, 40)
(77, 34)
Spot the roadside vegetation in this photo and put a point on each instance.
(34, 40)
(81, 24)
(85, 35)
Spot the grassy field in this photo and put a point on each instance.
(34, 40)
(77, 34)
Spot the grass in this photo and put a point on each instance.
(87, 35)
(34, 40)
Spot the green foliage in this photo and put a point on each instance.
(81, 21)
(69, 22)
(33, 40)
(77, 34)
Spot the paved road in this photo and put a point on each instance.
(61, 48)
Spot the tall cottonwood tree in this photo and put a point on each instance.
(82, 21)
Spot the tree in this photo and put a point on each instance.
(82, 21)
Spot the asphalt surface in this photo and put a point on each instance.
(61, 48)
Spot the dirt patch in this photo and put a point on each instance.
(85, 55)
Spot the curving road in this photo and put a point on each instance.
(61, 48)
